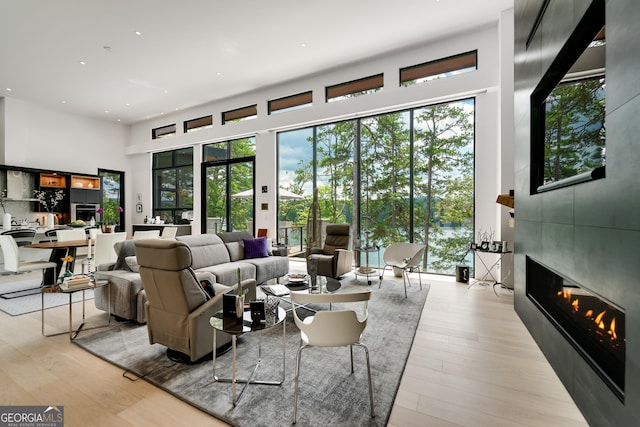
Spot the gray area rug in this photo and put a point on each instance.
(329, 394)
(30, 303)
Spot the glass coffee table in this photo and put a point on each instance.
(235, 328)
(300, 283)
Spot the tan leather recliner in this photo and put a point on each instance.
(177, 308)
(334, 259)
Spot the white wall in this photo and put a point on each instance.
(43, 138)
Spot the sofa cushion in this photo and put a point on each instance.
(233, 242)
(206, 250)
(255, 248)
(270, 267)
(227, 274)
(132, 263)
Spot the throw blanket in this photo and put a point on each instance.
(125, 248)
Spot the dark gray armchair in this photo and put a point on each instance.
(334, 259)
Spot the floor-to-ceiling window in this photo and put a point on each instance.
(401, 176)
(295, 174)
(228, 181)
(173, 184)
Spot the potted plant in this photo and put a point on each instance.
(109, 215)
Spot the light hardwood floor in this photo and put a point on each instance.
(472, 363)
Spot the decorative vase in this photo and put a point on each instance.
(314, 288)
(51, 222)
(6, 221)
(239, 307)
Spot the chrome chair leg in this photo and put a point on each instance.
(295, 389)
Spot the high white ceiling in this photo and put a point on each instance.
(84, 56)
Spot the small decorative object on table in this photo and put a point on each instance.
(239, 299)
(68, 259)
(257, 311)
(313, 272)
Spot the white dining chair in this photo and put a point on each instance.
(75, 234)
(103, 250)
(335, 328)
(169, 232)
(146, 234)
(12, 262)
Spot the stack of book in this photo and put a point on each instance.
(76, 282)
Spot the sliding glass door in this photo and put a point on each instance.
(228, 182)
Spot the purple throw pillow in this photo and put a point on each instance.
(255, 248)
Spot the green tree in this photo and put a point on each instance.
(334, 148)
(443, 167)
(574, 135)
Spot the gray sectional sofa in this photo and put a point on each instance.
(219, 254)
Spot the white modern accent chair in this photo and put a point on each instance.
(406, 257)
(335, 328)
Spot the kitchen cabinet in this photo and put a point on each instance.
(53, 180)
(85, 189)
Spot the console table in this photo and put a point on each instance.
(484, 280)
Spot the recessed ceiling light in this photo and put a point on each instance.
(63, 102)
(138, 33)
(9, 89)
(303, 44)
(127, 105)
(106, 111)
(166, 91)
(218, 73)
(83, 63)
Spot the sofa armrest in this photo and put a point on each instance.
(311, 251)
(107, 266)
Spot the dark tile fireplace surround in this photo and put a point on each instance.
(593, 326)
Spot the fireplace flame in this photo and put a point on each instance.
(589, 314)
(612, 329)
(575, 305)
